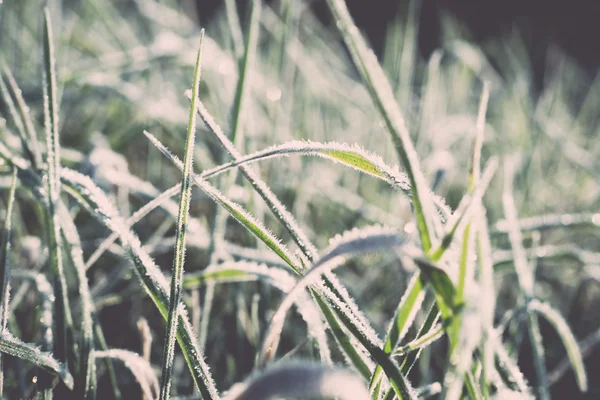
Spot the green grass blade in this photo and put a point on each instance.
(5, 265)
(179, 258)
(444, 289)
(64, 318)
(383, 98)
(239, 106)
(403, 318)
(16, 348)
(355, 358)
(565, 334)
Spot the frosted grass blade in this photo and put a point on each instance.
(405, 314)
(64, 319)
(179, 257)
(352, 156)
(565, 334)
(95, 201)
(5, 273)
(12, 110)
(16, 348)
(286, 219)
(141, 369)
(370, 240)
(383, 98)
(235, 211)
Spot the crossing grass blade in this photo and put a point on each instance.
(141, 369)
(95, 201)
(5, 273)
(565, 334)
(16, 348)
(179, 258)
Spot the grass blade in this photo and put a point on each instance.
(141, 369)
(565, 334)
(31, 144)
(383, 98)
(235, 211)
(16, 348)
(64, 319)
(179, 258)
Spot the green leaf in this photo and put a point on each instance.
(441, 283)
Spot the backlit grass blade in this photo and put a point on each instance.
(96, 202)
(16, 348)
(179, 257)
(64, 319)
(294, 380)
(382, 96)
(565, 334)
(5, 265)
(352, 156)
